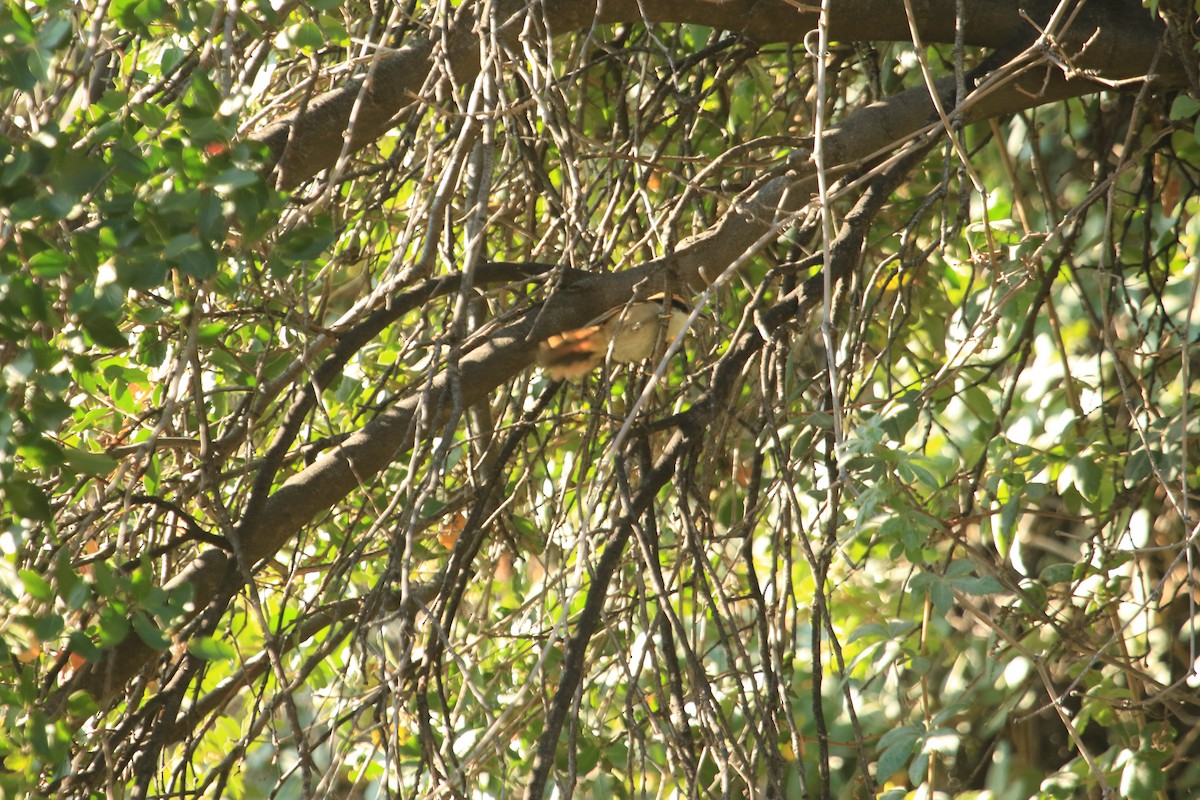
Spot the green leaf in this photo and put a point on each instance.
(211, 649)
(918, 769)
(49, 264)
(205, 94)
(1184, 107)
(1141, 778)
(1084, 475)
(88, 463)
(941, 740)
(233, 178)
(1057, 573)
(959, 568)
(1035, 594)
(26, 500)
(104, 581)
(302, 34)
(112, 627)
(199, 261)
(22, 18)
(1004, 527)
(149, 632)
(942, 596)
(38, 587)
(71, 587)
(179, 245)
(81, 704)
(82, 646)
(979, 586)
(898, 745)
(138, 15)
(104, 332)
(905, 733)
(48, 627)
(1138, 467)
(526, 529)
(39, 742)
(53, 33)
(303, 244)
(902, 416)
(210, 217)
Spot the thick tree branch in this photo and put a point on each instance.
(1115, 40)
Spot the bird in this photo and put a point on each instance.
(629, 332)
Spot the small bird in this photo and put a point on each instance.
(630, 332)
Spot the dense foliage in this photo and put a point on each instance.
(291, 511)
